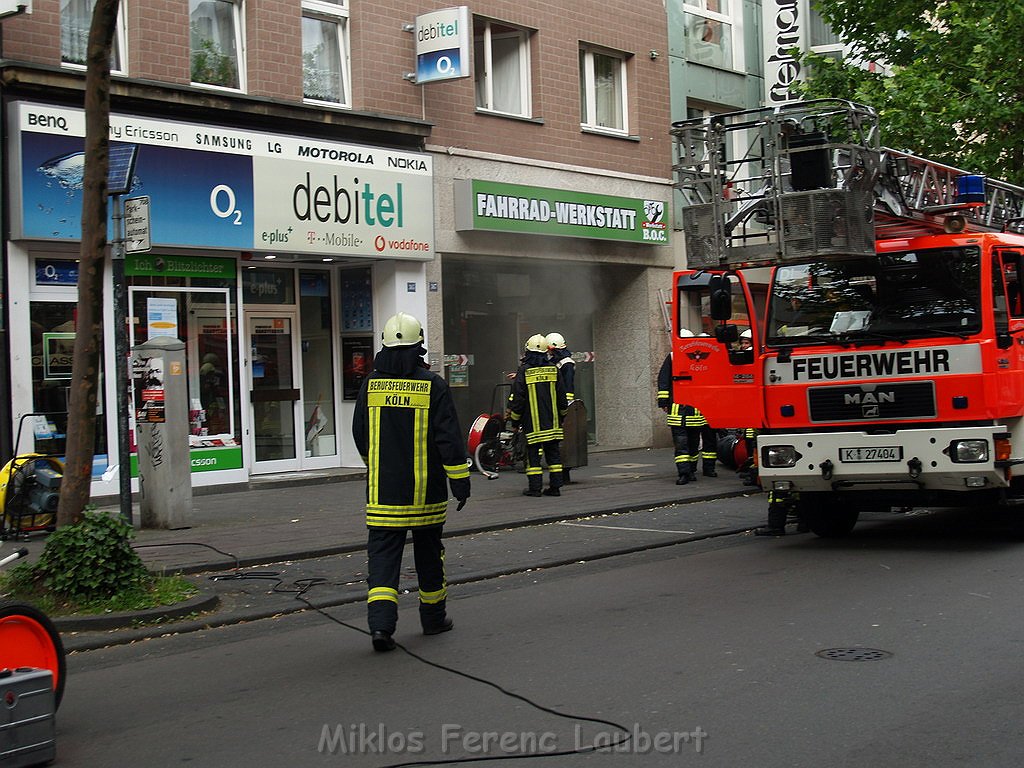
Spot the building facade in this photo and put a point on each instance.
(304, 181)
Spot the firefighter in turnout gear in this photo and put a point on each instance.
(677, 413)
(560, 357)
(538, 404)
(699, 432)
(407, 431)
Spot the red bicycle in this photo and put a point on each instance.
(29, 639)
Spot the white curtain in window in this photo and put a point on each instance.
(322, 61)
(608, 91)
(480, 74)
(75, 19)
(214, 48)
(506, 73)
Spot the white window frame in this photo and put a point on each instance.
(238, 13)
(731, 18)
(337, 13)
(837, 49)
(525, 93)
(588, 117)
(120, 39)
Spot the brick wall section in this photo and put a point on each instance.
(382, 53)
(274, 43)
(158, 41)
(34, 38)
(633, 27)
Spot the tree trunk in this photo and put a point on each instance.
(85, 365)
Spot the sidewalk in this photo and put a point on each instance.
(282, 519)
(313, 519)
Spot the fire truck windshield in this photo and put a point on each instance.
(897, 296)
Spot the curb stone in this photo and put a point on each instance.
(206, 600)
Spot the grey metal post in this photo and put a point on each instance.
(161, 416)
(123, 403)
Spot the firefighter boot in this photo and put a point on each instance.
(535, 481)
(444, 626)
(382, 641)
(434, 618)
(709, 469)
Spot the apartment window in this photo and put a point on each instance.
(823, 39)
(603, 90)
(710, 30)
(215, 28)
(501, 66)
(325, 57)
(75, 20)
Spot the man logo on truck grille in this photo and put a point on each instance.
(869, 402)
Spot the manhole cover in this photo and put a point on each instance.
(853, 654)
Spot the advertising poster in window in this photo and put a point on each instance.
(357, 362)
(58, 350)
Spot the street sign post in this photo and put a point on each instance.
(136, 225)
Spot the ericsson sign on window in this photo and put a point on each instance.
(442, 45)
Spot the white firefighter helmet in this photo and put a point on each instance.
(747, 334)
(402, 330)
(536, 343)
(556, 340)
(685, 333)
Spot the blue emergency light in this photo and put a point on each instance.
(970, 188)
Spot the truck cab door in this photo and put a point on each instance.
(1008, 308)
(716, 362)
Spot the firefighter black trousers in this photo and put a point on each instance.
(681, 448)
(703, 445)
(552, 450)
(384, 549)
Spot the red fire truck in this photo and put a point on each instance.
(883, 295)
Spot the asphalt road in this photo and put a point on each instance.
(707, 652)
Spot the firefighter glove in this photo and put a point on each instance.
(460, 490)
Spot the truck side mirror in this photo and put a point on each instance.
(727, 334)
(720, 293)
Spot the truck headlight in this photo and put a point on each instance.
(969, 451)
(779, 456)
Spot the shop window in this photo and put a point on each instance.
(205, 320)
(325, 55)
(603, 90)
(710, 31)
(75, 19)
(215, 31)
(53, 340)
(356, 329)
(501, 67)
(317, 364)
(268, 286)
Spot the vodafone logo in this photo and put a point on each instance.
(379, 243)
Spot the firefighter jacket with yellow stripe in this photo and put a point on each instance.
(538, 401)
(562, 360)
(407, 431)
(679, 415)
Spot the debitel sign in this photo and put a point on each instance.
(442, 45)
(217, 187)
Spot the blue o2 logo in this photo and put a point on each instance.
(439, 65)
(223, 204)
